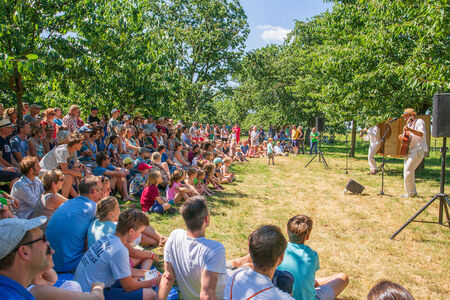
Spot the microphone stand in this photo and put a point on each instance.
(383, 141)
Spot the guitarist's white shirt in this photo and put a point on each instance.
(418, 142)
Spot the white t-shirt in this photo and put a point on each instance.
(53, 158)
(418, 142)
(106, 261)
(374, 135)
(189, 257)
(248, 282)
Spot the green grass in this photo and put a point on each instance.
(351, 232)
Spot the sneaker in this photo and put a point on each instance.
(372, 173)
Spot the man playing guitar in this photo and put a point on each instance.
(415, 128)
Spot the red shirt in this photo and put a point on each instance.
(237, 131)
(148, 197)
(44, 124)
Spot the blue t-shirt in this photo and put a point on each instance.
(99, 171)
(99, 229)
(302, 262)
(19, 145)
(12, 290)
(67, 231)
(164, 157)
(106, 261)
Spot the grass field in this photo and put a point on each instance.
(351, 232)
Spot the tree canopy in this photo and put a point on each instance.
(364, 61)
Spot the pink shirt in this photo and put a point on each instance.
(237, 131)
(172, 191)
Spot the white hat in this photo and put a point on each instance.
(114, 110)
(13, 230)
(5, 123)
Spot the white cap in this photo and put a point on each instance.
(13, 230)
(114, 110)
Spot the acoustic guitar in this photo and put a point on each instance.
(405, 140)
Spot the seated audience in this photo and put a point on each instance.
(28, 189)
(68, 226)
(50, 200)
(117, 175)
(35, 143)
(266, 247)
(303, 262)
(138, 183)
(195, 262)
(23, 249)
(387, 290)
(108, 212)
(151, 200)
(47, 140)
(108, 261)
(6, 158)
(19, 142)
(60, 157)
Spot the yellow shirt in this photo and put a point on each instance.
(294, 134)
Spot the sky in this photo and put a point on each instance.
(271, 20)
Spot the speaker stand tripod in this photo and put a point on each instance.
(321, 156)
(444, 201)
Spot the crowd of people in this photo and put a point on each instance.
(66, 236)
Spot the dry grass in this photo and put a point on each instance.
(351, 232)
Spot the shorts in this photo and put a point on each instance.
(117, 292)
(324, 292)
(295, 143)
(157, 208)
(270, 155)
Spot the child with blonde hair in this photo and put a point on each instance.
(176, 191)
(270, 154)
(224, 169)
(190, 183)
(151, 199)
(200, 184)
(210, 178)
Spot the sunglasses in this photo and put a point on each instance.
(42, 238)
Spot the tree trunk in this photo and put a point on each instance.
(18, 88)
(352, 148)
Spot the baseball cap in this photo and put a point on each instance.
(13, 230)
(5, 123)
(217, 160)
(127, 160)
(84, 129)
(94, 108)
(144, 166)
(114, 110)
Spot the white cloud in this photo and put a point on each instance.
(273, 33)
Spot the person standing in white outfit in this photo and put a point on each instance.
(373, 136)
(417, 148)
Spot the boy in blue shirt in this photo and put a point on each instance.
(303, 262)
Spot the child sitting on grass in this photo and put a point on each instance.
(107, 215)
(151, 199)
(225, 171)
(138, 183)
(200, 184)
(176, 191)
(192, 176)
(161, 167)
(218, 162)
(210, 178)
(303, 262)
